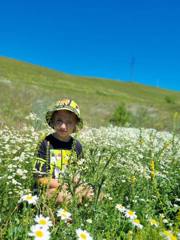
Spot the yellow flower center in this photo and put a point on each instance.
(64, 213)
(131, 213)
(83, 236)
(29, 197)
(42, 221)
(136, 221)
(39, 233)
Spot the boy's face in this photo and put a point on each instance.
(64, 123)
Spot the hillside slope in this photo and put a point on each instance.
(26, 87)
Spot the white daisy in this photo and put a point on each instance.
(130, 214)
(63, 214)
(39, 233)
(83, 234)
(43, 221)
(29, 198)
(136, 223)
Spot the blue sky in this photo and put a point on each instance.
(118, 39)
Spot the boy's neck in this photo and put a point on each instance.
(61, 139)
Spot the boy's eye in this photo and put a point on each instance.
(59, 122)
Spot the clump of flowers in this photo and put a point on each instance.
(40, 231)
(129, 214)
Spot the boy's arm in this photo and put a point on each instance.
(40, 168)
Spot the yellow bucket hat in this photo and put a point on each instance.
(64, 104)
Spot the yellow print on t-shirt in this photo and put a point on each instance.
(59, 159)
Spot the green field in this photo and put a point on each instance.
(134, 174)
(30, 88)
(133, 171)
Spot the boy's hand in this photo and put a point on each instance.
(50, 182)
(43, 181)
(82, 192)
(54, 183)
(61, 196)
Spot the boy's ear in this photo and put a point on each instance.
(52, 123)
(74, 130)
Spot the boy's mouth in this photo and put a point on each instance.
(62, 131)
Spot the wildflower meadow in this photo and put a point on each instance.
(134, 174)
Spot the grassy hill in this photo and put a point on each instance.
(26, 87)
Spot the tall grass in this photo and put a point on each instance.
(134, 173)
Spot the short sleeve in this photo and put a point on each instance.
(79, 149)
(42, 150)
(41, 158)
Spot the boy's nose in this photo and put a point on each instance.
(63, 125)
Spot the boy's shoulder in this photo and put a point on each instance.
(49, 137)
(77, 142)
(77, 146)
(44, 141)
(45, 138)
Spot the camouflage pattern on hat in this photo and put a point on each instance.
(64, 104)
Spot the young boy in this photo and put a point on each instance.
(57, 149)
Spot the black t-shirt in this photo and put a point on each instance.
(55, 155)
